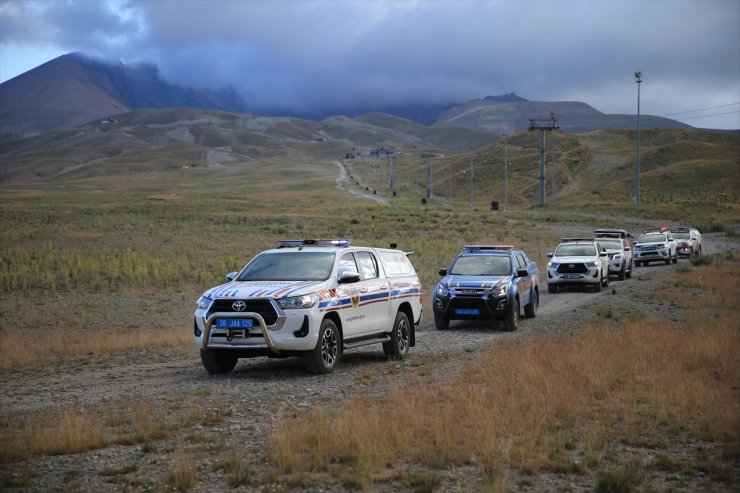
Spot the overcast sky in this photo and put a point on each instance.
(308, 55)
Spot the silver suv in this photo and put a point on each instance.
(617, 246)
(688, 241)
(578, 262)
(655, 245)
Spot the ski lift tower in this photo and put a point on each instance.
(543, 126)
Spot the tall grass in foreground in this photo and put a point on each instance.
(552, 404)
(22, 348)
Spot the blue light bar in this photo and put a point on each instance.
(302, 243)
(472, 248)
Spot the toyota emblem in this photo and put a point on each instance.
(572, 266)
(238, 306)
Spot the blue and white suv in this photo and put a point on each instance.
(310, 298)
(487, 282)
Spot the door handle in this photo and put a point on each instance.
(363, 290)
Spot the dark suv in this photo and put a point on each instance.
(487, 282)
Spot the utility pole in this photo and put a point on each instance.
(638, 79)
(449, 170)
(390, 172)
(543, 126)
(472, 192)
(554, 168)
(506, 176)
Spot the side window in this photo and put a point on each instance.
(521, 263)
(368, 265)
(347, 264)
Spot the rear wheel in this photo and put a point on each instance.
(217, 362)
(622, 272)
(512, 318)
(530, 310)
(628, 274)
(398, 346)
(441, 322)
(325, 356)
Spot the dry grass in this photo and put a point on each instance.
(23, 348)
(550, 405)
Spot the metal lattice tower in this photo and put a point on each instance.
(543, 126)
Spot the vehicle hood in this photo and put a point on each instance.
(462, 282)
(265, 289)
(574, 260)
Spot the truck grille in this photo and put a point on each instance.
(262, 307)
(572, 268)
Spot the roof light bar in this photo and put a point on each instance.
(472, 248)
(317, 242)
(566, 240)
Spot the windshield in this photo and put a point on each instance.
(575, 251)
(289, 266)
(681, 236)
(481, 265)
(651, 238)
(610, 244)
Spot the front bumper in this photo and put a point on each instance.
(662, 254)
(460, 307)
(573, 278)
(684, 250)
(293, 330)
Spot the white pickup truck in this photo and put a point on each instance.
(310, 298)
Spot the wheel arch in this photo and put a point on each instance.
(406, 308)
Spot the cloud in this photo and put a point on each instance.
(314, 55)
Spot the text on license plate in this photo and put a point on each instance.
(234, 323)
(571, 276)
(467, 311)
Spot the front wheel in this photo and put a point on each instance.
(512, 318)
(217, 362)
(325, 356)
(530, 310)
(675, 258)
(441, 322)
(398, 346)
(622, 273)
(628, 274)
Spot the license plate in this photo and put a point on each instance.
(571, 276)
(234, 323)
(467, 311)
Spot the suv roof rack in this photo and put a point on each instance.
(566, 240)
(317, 242)
(658, 229)
(478, 248)
(612, 233)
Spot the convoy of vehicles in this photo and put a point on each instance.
(487, 282)
(317, 298)
(310, 298)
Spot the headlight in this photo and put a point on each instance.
(442, 291)
(553, 265)
(204, 302)
(593, 264)
(500, 291)
(617, 256)
(296, 302)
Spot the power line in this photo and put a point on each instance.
(703, 109)
(707, 116)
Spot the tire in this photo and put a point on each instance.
(599, 285)
(398, 347)
(628, 274)
(669, 259)
(217, 362)
(552, 288)
(530, 310)
(325, 356)
(622, 273)
(605, 279)
(441, 322)
(511, 323)
(638, 264)
(675, 257)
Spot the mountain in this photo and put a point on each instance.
(74, 89)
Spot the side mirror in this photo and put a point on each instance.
(603, 254)
(443, 272)
(231, 276)
(348, 277)
(549, 255)
(627, 249)
(522, 273)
